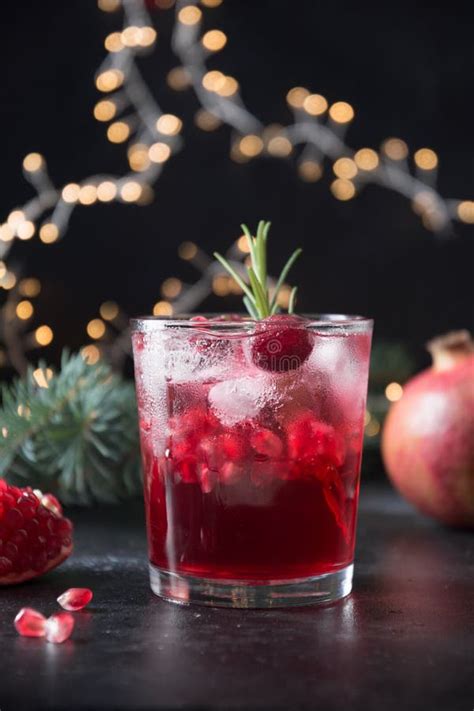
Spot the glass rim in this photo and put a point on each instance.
(326, 322)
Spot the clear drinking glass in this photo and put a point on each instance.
(251, 456)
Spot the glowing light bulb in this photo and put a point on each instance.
(206, 121)
(189, 15)
(118, 132)
(95, 328)
(109, 310)
(159, 152)
(393, 392)
(426, 159)
(49, 233)
(91, 354)
(109, 80)
(113, 42)
(131, 191)
(343, 189)
(310, 171)
(279, 146)
(29, 287)
(33, 162)
(395, 149)
(465, 211)
(169, 124)
(25, 230)
(171, 288)
(88, 194)
(341, 112)
(315, 104)
(162, 308)
(229, 87)
(44, 335)
(366, 159)
(106, 191)
(296, 97)
(345, 168)
(187, 250)
(178, 79)
(71, 192)
(213, 80)
(24, 310)
(105, 110)
(251, 145)
(138, 157)
(214, 40)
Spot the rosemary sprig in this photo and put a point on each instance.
(256, 298)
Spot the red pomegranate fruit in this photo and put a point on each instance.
(34, 535)
(428, 437)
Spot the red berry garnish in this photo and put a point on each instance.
(281, 343)
(75, 599)
(30, 623)
(34, 535)
(59, 627)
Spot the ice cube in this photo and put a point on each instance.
(239, 399)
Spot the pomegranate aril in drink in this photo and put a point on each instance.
(30, 623)
(75, 599)
(59, 627)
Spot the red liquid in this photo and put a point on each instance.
(263, 499)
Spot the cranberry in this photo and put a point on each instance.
(281, 343)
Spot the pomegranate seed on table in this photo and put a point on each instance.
(59, 627)
(30, 623)
(75, 598)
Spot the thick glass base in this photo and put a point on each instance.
(185, 589)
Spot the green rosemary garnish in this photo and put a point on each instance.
(257, 299)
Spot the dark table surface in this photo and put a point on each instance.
(404, 639)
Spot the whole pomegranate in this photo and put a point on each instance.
(428, 437)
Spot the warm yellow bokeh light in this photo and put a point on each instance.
(109, 310)
(15, 218)
(297, 96)
(108, 5)
(465, 211)
(279, 146)
(213, 80)
(147, 37)
(341, 112)
(366, 159)
(221, 285)
(105, 110)
(113, 42)
(106, 191)
(71, 192)
(159, 152)
(49, 233)
(25, 230)
(91, 354)
(109, 80)
(283, 298)
(6, 233)
(3, 269)
(395, 149)
(29, 287)
(315, 104)
(88, 194)
(345, 168)
(138, 36)
(211, 3)
(310, 171)
(8, 281)
(44, 335)
(33, 162)
(372, 428)
(243, 244)
(169, 124)
(214, 40)
(251, 145)
(162, 308)
(206, 121)
(171, 287)
(138, 157)
(24, 310)
(118, 132)
(131, 191)
(42, 376)
(343, 189)
(229, 87)
(95, 328)
(426, 159)
(178, 79)
(393, 392)
(187, 250)
(189, 15)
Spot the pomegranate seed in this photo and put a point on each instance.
(75, 598)
(30, 623)
(59, 627)
(266, 443)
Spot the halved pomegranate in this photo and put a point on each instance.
(34, 535)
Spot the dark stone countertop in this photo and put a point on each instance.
(404, 639)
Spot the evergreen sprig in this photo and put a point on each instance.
(77, 437)
(257, 299)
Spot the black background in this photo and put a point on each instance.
(407, 72)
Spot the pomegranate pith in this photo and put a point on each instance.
(34, 535)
